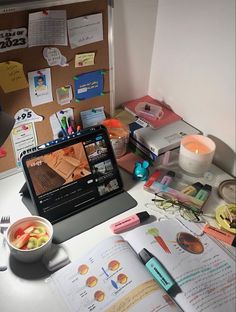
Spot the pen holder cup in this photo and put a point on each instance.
(119, 136)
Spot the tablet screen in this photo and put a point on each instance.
(72, 175)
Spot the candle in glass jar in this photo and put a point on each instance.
(196, 153)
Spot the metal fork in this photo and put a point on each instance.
(4, 223)
(5, 220)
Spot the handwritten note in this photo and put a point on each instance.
(85, 30)
(54, 57)
(12, 77)
(84, 59)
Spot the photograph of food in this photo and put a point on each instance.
(189, 243)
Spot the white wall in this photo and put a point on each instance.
(193, 68)
(134, 28)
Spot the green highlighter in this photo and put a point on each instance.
(158, 271)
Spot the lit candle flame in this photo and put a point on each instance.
(196, 151)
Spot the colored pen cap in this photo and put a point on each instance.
(197, 185)
(171, 174)
(144, 215)
(207, 187)
(145, 255)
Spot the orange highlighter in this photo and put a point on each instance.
(224, 236)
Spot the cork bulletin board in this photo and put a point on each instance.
(32, 60)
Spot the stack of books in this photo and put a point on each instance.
(155, 134)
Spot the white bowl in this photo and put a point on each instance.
(29, 255)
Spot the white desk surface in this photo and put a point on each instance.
(25, 287)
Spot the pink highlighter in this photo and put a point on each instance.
(130, 222)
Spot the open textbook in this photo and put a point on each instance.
(112, 278)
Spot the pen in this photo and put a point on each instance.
(157, 270)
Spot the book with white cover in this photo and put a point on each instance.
(160, 140)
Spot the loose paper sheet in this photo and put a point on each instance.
(12, 76)
(26, 115)
(47, 28)
(40, 86)
(89, 85)
(84, 30)
(92, 117)
(23, 138)
(11, 39)
(54, 57)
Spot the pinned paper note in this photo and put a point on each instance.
(84, 59)
(85, 29)
(40, 86)
(23, 138)
(47, 28)
(26, 115)
(12, 39)
(92, 117)
(54, 57)
(12, 77)
(64, 95)
(89, 85)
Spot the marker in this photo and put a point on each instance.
(228, 238)
(192, 190)
(130, 222)
(166, 180)
(153, 178)
(158, 271)
(204, 192)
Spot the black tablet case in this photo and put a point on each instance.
(85, 219)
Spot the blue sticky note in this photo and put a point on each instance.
(88, 85)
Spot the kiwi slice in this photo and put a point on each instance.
(42, 240)
(32, 243)
(40, 230)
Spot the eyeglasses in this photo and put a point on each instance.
(167, 202)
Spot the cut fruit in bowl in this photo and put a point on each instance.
(30, 238)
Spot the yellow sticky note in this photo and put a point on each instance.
(12, 76)
(84, 59)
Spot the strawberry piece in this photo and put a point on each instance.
(24, 247)
(18, 232)
(21, 241)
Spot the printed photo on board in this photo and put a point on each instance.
(40, 86)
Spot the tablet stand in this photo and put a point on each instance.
(85, 219)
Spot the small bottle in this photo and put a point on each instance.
(204, 192)
(168, 178)
(192, 190)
